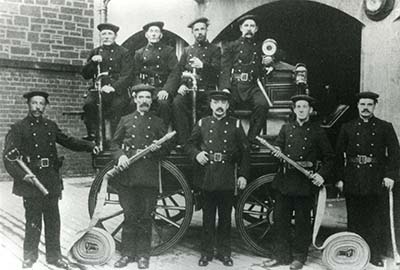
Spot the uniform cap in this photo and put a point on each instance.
(298, 65)
(202, 19)
(158, 24)
(36, 93)
(247, 17)
(310, 100)
(370, 95)
(108, 26)
(143, 87)
(219, 95)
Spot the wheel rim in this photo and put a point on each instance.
(171, 217)
(254, 215)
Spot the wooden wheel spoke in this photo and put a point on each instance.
(117, 229)
(256, 224)
(263, 204)
(167, 220)
(171, 207)
(107, 201)
(173, 201)
(170, 194)
(110, 216)
(264, 233)
(166, 209)
(255, 213)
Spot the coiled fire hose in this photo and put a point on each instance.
(93, 245)
(341, 251)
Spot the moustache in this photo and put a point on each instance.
(365, 110)
(219, 110)
(144, 105)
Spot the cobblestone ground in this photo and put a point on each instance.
(74, 217)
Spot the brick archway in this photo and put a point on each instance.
(224, 12)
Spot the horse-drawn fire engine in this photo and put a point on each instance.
(177, 200)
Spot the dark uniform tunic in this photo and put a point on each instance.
(210, 55)
(240, 68)
(153, 65)
(366, 197)
(137, 186)
(116, 62)
(226, 144)
(307, 145)
(35, 139)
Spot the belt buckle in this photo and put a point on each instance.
(217, 157)
(44, 162)
(244, 77)
(362, 159)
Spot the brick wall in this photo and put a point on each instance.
(56, 31)
(66, 91)
(43, 44)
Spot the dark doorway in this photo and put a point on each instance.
(327, 40)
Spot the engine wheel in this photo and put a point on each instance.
(171, 217)
(254, 215)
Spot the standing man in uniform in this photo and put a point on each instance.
(220, 150)
(369, 156)
(113, 59)
(204, 58)
(306, 143)
(35, 138)
(153, 65)
(138, 185)
(241, 66)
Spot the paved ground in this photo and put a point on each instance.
(74, 217)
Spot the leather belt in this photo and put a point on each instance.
(242, 77)
(304, 164)
(217, 157)
(362, 159)
(41, 162)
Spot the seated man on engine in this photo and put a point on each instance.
(241, 67)
(110, 59)
(202, 59)
(153, 64)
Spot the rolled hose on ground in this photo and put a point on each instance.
(95, 247)
(345, 251)
(341, 251)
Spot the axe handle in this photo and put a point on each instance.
(286, 158)
(396, 255)
(262, 89)
(36, 182)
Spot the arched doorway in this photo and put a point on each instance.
(326, 39)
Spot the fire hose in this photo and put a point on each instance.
(344, 250)
(93, 245)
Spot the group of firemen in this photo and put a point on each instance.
(150, 85)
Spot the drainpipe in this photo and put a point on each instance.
(100, 16)
(103, 11)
